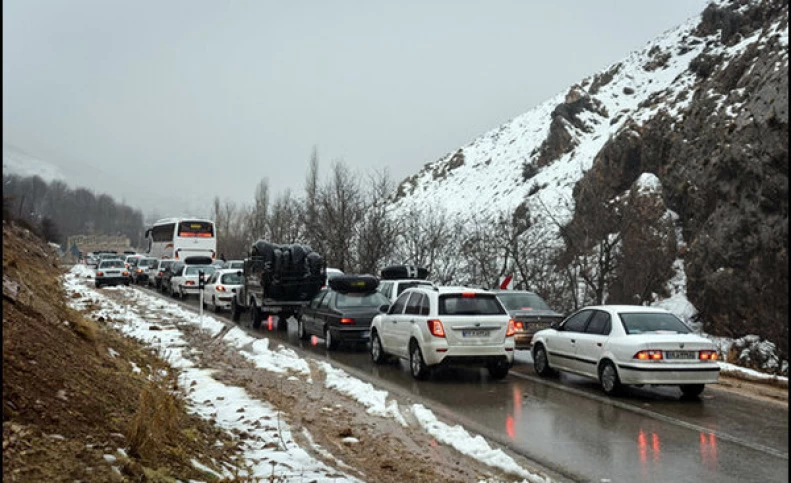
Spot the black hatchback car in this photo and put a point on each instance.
(343, 311)
(530, 314)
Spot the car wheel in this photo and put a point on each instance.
(608, 377)
(329, 341)
(378, 355)
(692, 390)
(235, 312)
(541, 362)
(98, 285)
(498, 371)
(417, 366)
(301, 329)
(255, 315)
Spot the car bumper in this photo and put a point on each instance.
(440, 353)
(668, 374)
(189, 289)
(352, 334)
(224, 301)
(523, 340)
(112, 280)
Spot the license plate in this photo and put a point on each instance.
(474, 333)
(536, 326)
(680, 355)
(113, 273)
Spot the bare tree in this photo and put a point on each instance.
(260, 210)
(340, 212)
(377, 231)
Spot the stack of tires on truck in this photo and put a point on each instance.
(278, 280)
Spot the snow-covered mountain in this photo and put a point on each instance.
(703, 110)
(16, 161)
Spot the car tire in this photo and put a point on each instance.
(378, 355)
(236, 314)
(255, 316)
(498, 371)
(417, 365)
(608, 378)
(691, 390)
(301, 333)
(98, 285)
(541, 362)
(330, 342)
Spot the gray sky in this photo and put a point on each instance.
(223, 93)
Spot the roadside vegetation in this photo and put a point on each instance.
(84, 403)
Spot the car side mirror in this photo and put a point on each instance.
(384, 308)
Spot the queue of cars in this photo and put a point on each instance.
(432, 326)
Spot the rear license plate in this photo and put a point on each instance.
(474, 333)
(536, 326)
(113, 273)
(680, 355)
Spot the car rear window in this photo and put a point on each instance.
(193, 270)
(522, 301)
(232, 279)
(477, 304)
(405, 285)
(641, 323)
(147, 262)
(111, 264)
(350, 300)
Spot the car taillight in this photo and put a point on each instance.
(139, 270)
(650, 355)
(189, 282)
(436, 328)
(100, 274)
(708, 355)
(347, 321)
(468, 295)
(511, 330)
(159, 274)
(126, 274)
(519, 325)
(221, 288)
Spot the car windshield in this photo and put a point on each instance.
(522, 301)
(476, 304)
(147, 262)
(405, 285)
(231, 279)
(111, 264)
(351, 300)
(641, 323)
(194, 269)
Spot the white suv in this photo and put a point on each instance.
(445, 326)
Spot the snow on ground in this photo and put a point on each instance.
(272, 440)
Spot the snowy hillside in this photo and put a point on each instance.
(16, 161)
(486, 175)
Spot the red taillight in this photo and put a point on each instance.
(519, 325)
(159, 274)
(220, 288)
(468, 295)
(650, 355)
(511, 330)
(189, 282)
(100, 274)
(204, 235)
(186, 234)
(708, 355)
(436, 328)
(347, 321)
(126, 274)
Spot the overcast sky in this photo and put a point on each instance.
(221, 94)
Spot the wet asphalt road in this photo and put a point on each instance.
(574, 431)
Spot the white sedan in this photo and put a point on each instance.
(623, 344)
(219, 289)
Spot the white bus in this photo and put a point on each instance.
(178, 238)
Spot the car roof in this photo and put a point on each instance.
(227, 270)
(460, 289)
(634, 309)
(502, 290)
(420, 281)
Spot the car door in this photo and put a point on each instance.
(592, 342)
(209, 290)
(562, 345)
(411, 316)
(390, 324)
(309, 313)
